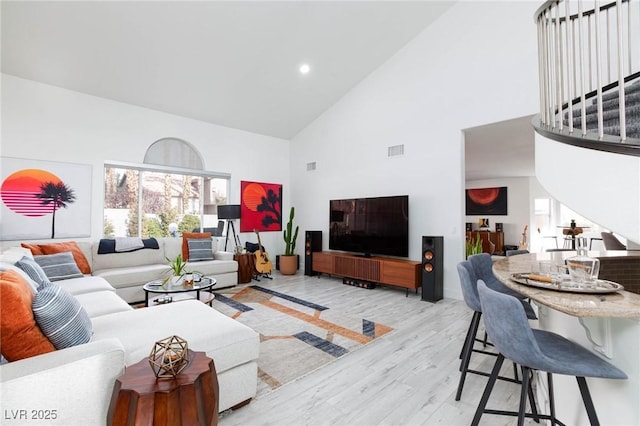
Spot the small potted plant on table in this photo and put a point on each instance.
(176, 272)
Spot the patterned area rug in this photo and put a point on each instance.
(296, 336)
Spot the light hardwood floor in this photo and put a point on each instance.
(408, 377)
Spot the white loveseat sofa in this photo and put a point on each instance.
(76, 382)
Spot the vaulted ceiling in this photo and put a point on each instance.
(234, 63)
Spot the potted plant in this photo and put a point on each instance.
(177, 270)
(474, 247)
(289, 260)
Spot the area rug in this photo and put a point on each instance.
(296, 336)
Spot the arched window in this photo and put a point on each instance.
(175, 153)
(170, 193)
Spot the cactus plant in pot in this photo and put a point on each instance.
(289, 260)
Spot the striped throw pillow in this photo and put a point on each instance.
(199, 249)
(31, 268)
(59, 266)
(61, 317)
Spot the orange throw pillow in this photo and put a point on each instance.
(185, 236)
(20, 336)
(72, 246)
(35, 249)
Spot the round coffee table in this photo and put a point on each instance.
(168, 290)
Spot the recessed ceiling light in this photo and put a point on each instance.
(305, 68)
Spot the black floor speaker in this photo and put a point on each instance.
(432, 268)
(312, 242)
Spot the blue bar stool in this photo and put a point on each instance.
(468, 283)
(483, 267)
(509, 330)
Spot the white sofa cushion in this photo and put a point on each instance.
(124, 276)
(213, 267)
(223, 255)
(127, 259)
(77, 382)
(228, 342)
(86, 284)
(102, 303)
(13, 254)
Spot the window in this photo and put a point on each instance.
(159, 203)
(550, 217)
(166, 196)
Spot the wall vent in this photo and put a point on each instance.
(311, 166)
(396, 150)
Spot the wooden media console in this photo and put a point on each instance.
(379, 270)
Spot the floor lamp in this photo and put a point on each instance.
(229, 212)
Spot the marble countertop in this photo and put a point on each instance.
(622, 304)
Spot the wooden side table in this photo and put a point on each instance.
(246, 265)
(191, 398)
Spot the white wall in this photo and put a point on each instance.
(477, 64)
(49, 123)
(518, 207)
(602, 186)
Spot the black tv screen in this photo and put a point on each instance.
(367, 226)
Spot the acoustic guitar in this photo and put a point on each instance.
(263, 264)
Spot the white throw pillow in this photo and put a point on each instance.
(13, 254)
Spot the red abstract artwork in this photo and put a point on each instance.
(486, 201)
(260, 206)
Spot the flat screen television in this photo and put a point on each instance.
(377, 225)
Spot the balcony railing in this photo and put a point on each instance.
(589, 60)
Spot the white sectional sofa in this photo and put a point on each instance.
(128, 272)
(77, 382)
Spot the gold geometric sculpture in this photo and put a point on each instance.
(169, 357)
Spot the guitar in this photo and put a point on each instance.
(263, 264)
(523, 243)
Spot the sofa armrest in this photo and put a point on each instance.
(223, 255)
(71, 386)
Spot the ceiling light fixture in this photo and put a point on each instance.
(305, 68)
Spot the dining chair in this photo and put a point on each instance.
(611, 242)
(511, 334)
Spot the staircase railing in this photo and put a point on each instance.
(589, 64)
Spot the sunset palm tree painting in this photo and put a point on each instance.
(33, 199)
(57, 195)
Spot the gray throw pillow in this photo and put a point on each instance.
(199, 249)
(61, 317)
(31, 268)
(59, 266)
